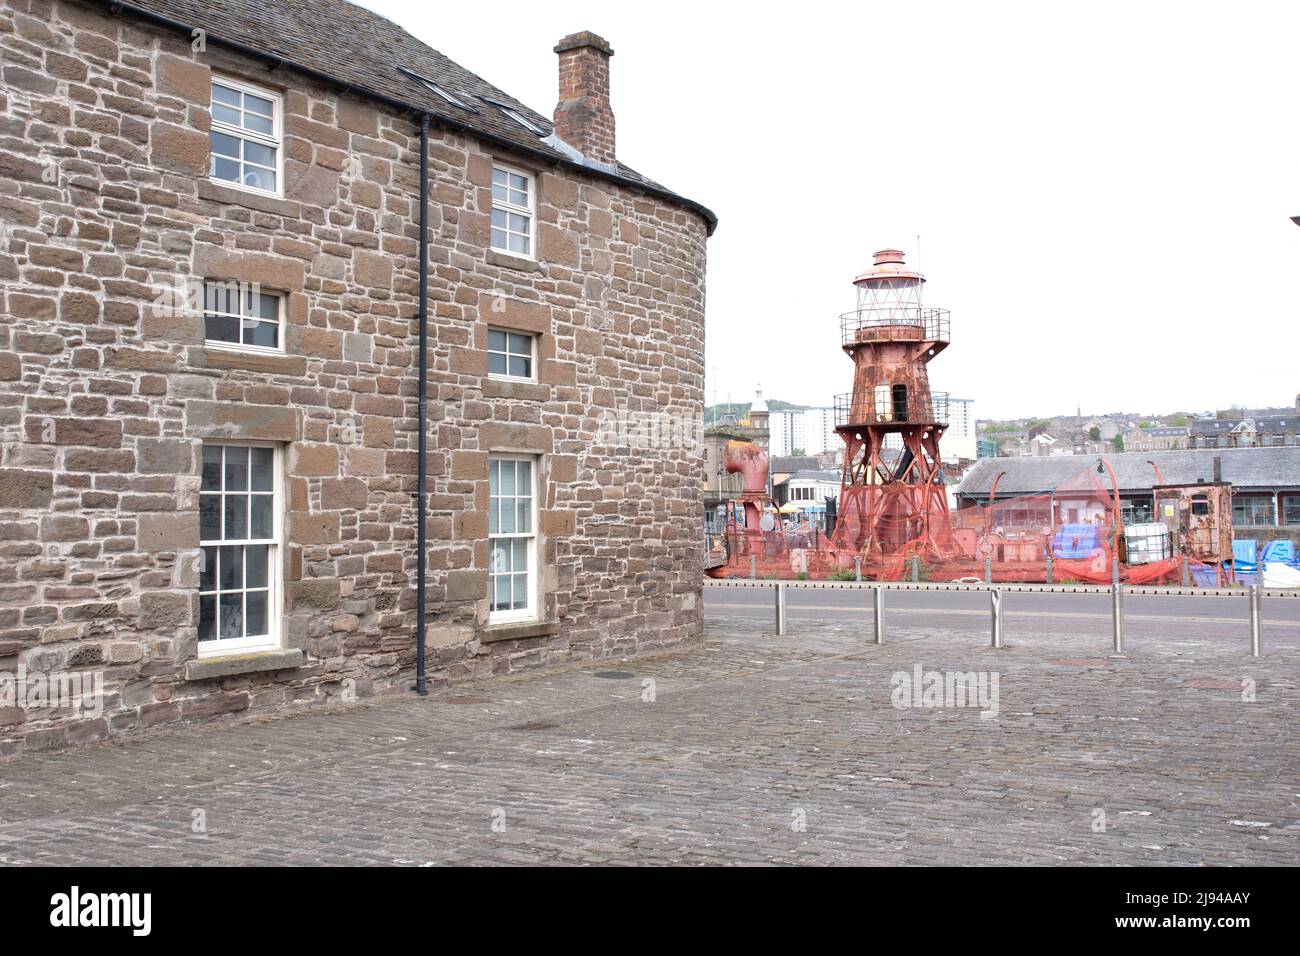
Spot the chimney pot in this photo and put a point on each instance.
(583, 116)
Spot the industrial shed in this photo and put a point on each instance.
(1265, 481)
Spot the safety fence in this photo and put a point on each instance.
(1253, 595)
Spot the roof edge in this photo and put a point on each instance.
(704, 212)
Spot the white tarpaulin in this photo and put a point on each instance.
(1279, 575)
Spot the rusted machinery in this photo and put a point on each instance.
(748, 517)
(1199, 518)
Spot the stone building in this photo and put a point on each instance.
(1156, 438)
(1248, 431)
(210, 294)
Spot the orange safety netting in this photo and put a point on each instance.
(897, 531)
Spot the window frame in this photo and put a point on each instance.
(282, 307)
(273, 638)
(443, 94)
(274, 141)
(531, 611)
(532, 358)
(514, 113)
(508, 207)
(1250, 507)
(1290, 505)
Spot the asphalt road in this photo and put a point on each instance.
(1225, 618)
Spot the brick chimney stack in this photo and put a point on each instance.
(583, 117)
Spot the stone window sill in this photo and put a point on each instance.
(238, 197)
(208, 668)
(495, 257)
(255, 361)
(499, 388)
(517, 632)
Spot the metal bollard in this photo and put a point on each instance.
(988, 570)
(879, 601)
(1186, 580)
(753, 567)
(995, 601)
(780, 610)
(803, 562)
(1256, 618)
(857, 568)
(916, 568)
(1117, 615)
(1116, 605)
(1049, 567)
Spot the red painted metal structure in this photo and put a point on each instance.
(893, 507)
(892, 501)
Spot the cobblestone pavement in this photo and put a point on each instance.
(755, 749)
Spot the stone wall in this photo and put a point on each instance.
(105, 399)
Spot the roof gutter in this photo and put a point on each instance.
(277, 60)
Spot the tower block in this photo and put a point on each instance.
(892, 499)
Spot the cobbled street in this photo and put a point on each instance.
(753, 750)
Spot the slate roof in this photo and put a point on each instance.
(1245, 468)
(1272, 424)
(781, 466)
(816, 474)
(361, 50)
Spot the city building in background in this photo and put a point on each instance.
(1156, 438)
(959, 439)
(811, 431)
(1261, 431)
(806, 431)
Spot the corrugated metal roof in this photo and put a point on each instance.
(1243, 467)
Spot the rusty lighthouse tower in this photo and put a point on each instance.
(892, 500)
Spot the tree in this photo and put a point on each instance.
(797, 453)
(1095, 433)
(1118, 442)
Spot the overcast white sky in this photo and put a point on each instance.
(1102, 190)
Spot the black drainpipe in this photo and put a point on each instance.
(421, 458)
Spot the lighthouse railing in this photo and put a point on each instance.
(931, 408)
(894, 323)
